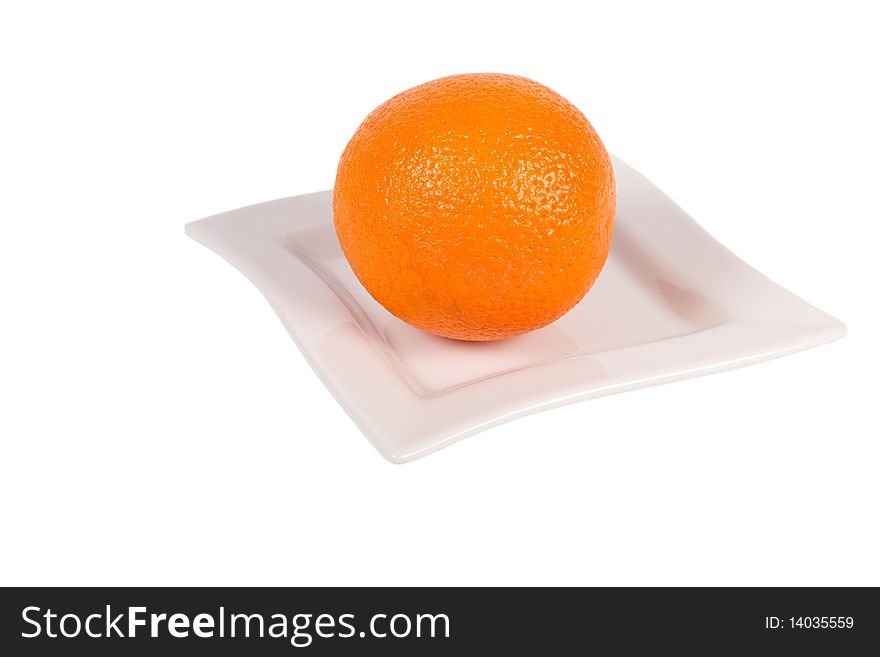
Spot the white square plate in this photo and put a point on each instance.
(671, 303)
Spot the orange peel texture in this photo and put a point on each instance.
(476, 207)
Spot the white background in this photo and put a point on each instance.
(158, 426)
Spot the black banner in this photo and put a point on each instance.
(445, 621)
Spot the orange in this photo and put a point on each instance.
(476, 207)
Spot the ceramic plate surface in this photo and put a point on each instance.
(671, 303)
